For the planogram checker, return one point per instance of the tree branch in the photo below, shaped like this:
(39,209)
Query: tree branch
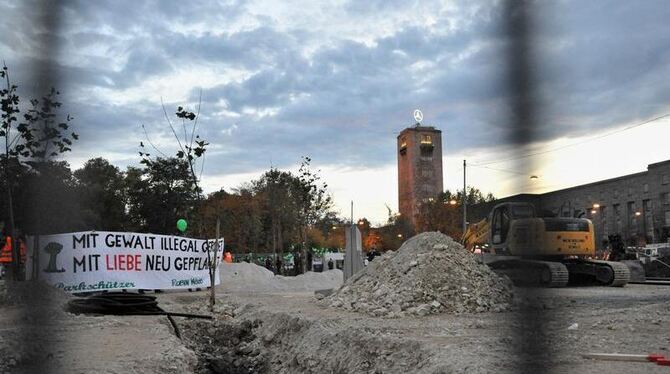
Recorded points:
(152,144)
(171,127)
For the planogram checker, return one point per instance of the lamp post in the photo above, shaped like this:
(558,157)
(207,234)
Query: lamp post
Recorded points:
(465,210)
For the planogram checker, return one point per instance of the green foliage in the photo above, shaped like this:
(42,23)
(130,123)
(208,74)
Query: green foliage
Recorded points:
(440,215)
(42,133)
(191,147)
(159,194)
(41,185)
(102,195)
(49,200)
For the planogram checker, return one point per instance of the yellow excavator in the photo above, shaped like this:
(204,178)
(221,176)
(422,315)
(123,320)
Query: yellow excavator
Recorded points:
(541,251)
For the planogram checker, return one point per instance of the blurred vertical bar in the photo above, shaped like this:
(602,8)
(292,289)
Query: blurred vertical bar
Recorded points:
(39,339)
(529,323)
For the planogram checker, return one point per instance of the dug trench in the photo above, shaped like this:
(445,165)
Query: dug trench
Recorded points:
(261,341)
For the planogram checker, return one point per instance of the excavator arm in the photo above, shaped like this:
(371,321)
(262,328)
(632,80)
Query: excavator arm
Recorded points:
(476,234)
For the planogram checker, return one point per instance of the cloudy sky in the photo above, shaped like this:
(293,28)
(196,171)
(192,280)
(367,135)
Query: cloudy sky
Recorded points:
(337,80)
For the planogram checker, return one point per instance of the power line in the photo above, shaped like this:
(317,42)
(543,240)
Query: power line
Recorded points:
(573,144)
(502,170)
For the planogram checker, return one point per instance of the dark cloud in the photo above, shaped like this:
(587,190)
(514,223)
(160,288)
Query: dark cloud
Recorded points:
(343,101)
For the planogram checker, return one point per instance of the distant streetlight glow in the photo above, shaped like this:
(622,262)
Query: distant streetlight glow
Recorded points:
(593,211)
(638,214)
(400,236)
(453,202)
(596,206)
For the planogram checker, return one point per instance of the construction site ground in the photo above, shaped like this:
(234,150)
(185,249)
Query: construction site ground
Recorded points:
(291,332)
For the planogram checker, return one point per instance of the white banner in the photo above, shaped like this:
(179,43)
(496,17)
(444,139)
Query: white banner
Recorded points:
(100,260)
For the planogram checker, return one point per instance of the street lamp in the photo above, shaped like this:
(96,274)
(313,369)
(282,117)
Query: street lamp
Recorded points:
(637,214)
(400,236)
(453,202)
(596,206)
(593,211)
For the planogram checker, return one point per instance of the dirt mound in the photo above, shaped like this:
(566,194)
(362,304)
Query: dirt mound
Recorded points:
(430,273)
(253,278)
(275,342)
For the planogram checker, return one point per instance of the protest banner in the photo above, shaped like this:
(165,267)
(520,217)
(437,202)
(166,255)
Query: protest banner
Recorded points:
(100,260)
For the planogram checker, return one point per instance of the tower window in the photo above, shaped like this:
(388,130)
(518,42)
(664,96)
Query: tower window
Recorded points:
(427,152)
(403,146)
(426,139)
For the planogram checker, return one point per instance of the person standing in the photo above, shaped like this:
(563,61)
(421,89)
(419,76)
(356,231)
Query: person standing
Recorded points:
(279,265)
(5,251)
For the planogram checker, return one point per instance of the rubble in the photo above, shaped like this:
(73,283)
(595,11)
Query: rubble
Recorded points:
(429,274)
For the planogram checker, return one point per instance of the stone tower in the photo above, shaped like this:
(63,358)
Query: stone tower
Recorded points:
(419,168)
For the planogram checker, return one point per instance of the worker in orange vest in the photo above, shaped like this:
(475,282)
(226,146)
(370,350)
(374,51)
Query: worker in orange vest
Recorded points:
(6,251)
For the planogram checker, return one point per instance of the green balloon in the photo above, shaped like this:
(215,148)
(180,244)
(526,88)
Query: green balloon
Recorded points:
(181,225)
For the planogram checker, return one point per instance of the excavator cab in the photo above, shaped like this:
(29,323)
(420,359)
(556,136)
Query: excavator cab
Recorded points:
(502,218)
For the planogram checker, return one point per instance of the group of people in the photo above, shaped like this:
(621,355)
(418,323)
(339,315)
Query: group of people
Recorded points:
(277,269)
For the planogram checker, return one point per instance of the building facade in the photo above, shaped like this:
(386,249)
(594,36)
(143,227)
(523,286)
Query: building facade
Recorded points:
(635,206)
(419,168)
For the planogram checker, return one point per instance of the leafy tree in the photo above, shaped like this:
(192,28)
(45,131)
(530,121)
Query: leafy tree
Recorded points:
(313,200)
(135,186)
(32,141)
(191,147)
(394,233)
(54,188)
(278,201)
(443,216)
(161,192)
(373,240)
(102,195)
(240,216)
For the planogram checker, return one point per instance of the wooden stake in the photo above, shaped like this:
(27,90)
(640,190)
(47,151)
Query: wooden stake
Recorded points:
(212,268)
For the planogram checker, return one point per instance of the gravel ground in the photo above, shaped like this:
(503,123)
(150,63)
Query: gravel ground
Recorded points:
(38,336)
(289,332)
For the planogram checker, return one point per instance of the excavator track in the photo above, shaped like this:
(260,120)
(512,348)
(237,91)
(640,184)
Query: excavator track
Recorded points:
(531,273)
(606,273)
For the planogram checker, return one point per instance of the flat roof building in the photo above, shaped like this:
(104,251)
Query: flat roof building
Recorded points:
(635,206)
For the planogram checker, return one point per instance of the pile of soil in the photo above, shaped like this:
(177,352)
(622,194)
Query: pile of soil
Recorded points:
(248,277)
(429,274)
